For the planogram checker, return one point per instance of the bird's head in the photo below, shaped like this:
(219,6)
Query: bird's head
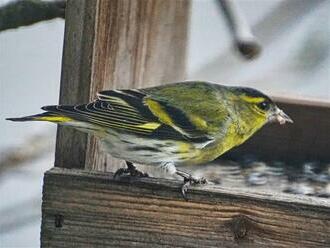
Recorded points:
(260,105)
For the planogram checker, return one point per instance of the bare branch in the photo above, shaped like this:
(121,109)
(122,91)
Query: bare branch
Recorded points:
(244,40)
(27,12)
(33,148)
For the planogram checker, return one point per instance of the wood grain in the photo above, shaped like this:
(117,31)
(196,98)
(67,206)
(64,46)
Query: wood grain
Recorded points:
(90,209)
(307,139)
(116,44)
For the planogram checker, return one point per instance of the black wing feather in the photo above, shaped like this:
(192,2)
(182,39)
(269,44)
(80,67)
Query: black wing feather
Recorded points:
(125,110)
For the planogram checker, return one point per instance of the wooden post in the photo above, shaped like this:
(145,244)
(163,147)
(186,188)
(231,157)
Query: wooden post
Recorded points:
(116,44)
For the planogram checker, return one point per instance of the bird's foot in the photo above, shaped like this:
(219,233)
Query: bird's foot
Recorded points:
(191,181)
(188,181)
(130,170)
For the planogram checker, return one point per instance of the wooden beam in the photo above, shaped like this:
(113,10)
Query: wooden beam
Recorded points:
(116,44)
(308,138)
(92,209)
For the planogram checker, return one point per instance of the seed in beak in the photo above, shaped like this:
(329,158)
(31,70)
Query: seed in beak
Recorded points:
(282,117)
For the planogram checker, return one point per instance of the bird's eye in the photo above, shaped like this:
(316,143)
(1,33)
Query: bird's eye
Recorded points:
(264,105)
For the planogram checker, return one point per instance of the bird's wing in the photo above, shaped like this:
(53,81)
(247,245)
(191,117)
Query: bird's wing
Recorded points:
(196,109)
(174,117)
(172,121)
(137,112)
(120,110)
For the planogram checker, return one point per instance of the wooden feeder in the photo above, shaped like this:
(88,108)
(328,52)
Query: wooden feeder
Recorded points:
(118,43)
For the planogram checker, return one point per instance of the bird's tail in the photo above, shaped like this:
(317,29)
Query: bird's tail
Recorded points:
(46,116)
(55,115)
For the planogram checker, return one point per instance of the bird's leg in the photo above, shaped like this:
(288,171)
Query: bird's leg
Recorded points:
(189,180)
(130,170)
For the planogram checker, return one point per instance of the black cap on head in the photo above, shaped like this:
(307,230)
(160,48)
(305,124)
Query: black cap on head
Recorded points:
(251,92)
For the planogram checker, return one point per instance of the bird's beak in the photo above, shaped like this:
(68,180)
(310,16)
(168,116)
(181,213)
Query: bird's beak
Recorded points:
(280,117)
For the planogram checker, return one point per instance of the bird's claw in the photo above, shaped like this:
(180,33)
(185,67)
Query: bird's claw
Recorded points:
(133,172)
(120,172)
(191,181)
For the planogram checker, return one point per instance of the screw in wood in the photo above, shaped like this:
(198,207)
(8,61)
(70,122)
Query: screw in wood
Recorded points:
(59,220)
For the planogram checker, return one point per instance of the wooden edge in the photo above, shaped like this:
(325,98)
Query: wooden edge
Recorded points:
(91,209)
(210,193)
(303,101)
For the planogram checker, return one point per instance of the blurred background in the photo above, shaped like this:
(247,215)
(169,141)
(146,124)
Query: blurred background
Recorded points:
(294,62)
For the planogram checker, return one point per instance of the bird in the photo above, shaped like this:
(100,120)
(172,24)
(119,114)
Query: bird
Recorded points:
(177,124)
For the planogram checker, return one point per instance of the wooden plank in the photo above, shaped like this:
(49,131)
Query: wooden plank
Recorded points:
(308,138)
(91,209)
(116,44)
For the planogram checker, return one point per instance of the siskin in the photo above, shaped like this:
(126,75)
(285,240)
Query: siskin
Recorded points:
(177,124)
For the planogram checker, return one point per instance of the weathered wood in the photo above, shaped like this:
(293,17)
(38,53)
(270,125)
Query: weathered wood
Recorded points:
(308,138)
(90,209)
(116,44)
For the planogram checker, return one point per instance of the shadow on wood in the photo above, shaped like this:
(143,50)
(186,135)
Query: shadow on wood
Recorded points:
(83,208)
